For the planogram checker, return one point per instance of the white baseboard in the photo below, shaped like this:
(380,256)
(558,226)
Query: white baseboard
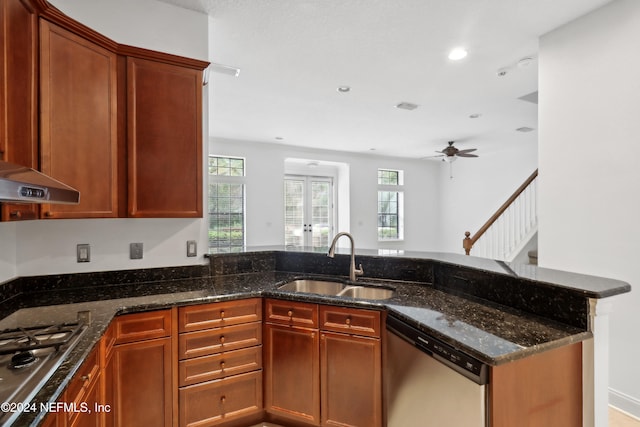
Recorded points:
(625,403)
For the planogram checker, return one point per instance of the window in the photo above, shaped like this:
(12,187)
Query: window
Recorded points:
(226,204)
(390,205)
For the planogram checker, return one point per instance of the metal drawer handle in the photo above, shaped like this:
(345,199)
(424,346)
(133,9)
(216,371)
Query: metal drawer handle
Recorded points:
(221,314)
(290,314)
(222,365)
(222,339)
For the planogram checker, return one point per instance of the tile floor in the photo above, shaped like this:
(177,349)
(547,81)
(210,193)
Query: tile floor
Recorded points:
(620,419)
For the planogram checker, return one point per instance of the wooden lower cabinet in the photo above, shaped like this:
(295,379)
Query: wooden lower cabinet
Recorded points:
(351,380)
(220,364)
(327,375)
(139,386)
(292,373)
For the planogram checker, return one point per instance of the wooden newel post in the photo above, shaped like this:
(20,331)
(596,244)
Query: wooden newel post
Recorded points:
(467,243)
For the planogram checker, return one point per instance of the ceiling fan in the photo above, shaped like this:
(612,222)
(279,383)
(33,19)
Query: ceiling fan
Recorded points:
(450,153)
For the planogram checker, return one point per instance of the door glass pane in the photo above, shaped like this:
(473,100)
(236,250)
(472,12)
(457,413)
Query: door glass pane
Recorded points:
(294,212)
(320,213)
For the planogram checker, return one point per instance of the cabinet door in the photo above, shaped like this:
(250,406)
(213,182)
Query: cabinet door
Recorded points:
(351,380)
(78,121)
(18,99)
(139,384)
(164,124)
(292,373)
(84,389)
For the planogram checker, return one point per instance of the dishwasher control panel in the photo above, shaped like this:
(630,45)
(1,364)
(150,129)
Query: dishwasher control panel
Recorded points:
(452,357)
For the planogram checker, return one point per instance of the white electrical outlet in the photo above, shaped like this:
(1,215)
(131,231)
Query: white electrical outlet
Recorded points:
(192,248)
(83,252)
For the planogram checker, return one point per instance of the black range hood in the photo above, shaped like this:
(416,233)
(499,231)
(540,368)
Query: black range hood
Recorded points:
(21,184)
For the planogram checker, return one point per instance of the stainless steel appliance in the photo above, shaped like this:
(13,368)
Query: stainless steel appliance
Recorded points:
(28,357)
(429,383)
(25,185)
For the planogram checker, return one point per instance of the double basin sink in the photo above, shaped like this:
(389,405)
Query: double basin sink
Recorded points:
(340,289)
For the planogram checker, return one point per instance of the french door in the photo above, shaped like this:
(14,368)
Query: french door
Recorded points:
(308,211)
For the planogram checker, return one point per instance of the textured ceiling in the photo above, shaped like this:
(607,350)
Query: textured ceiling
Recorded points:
(293,54)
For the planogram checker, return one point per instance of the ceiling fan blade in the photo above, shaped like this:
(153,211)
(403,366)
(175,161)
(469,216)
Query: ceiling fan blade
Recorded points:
(432,157)
(468,150)
(466,155)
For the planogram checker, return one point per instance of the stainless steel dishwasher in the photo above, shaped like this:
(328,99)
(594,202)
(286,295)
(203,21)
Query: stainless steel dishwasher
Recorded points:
(429,383)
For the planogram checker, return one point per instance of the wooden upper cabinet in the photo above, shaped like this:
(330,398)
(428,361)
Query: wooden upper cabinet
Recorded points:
(18,98)
(164,139)
(78,121)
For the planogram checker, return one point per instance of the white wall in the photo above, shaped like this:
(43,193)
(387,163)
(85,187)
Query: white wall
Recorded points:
(49,246)
(265,165)
(7,251)
(589,182)
(481,185)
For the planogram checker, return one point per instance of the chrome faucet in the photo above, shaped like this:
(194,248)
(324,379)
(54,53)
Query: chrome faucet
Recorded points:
(353,272)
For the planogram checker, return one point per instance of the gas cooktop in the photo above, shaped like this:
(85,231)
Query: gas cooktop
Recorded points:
(28,357)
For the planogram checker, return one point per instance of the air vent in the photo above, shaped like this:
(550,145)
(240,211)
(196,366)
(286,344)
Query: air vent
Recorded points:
(525,129)
(406,106)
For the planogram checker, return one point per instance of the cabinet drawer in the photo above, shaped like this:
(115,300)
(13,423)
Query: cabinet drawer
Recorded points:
(216,366)
(291,313)
(210,341)
(219,401)
(215,315)
(350,321)
(142,326)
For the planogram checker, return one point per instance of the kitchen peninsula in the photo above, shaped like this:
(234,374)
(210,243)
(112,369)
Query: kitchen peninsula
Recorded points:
(497,313)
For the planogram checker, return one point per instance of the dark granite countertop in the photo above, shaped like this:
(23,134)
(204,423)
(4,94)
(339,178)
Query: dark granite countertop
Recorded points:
(487,329)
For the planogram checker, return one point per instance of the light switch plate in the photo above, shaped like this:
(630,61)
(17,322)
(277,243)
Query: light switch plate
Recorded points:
(83,252)
(192,248)
(135,251)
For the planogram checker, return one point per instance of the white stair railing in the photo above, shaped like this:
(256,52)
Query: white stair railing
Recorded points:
(506,233)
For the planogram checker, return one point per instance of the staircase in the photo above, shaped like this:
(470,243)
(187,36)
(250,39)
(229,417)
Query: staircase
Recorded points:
(509,230)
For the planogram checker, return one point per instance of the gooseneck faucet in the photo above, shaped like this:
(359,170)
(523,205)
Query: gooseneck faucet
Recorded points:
(353,272)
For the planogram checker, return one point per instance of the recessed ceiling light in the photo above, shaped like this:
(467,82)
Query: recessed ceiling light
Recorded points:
(458,53)
(279,138)
(344,89)
(475,115)
(406,106)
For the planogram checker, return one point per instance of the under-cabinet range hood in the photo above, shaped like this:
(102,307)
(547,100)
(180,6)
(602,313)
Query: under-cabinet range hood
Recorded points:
(25,185)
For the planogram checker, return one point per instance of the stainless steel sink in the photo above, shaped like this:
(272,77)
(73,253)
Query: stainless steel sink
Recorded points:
(366,292)
(312,286)
(327,287)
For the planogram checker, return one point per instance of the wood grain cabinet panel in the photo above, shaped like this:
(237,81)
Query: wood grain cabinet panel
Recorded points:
(221,401)
(215,315)
(141,392)
(541,390)
(350,321)
(351,391)
(78,122)
(292,373)
(201,343)
(18,98)
(164,123)
(84,389)
(138,354)
(220,366)
(291,313)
